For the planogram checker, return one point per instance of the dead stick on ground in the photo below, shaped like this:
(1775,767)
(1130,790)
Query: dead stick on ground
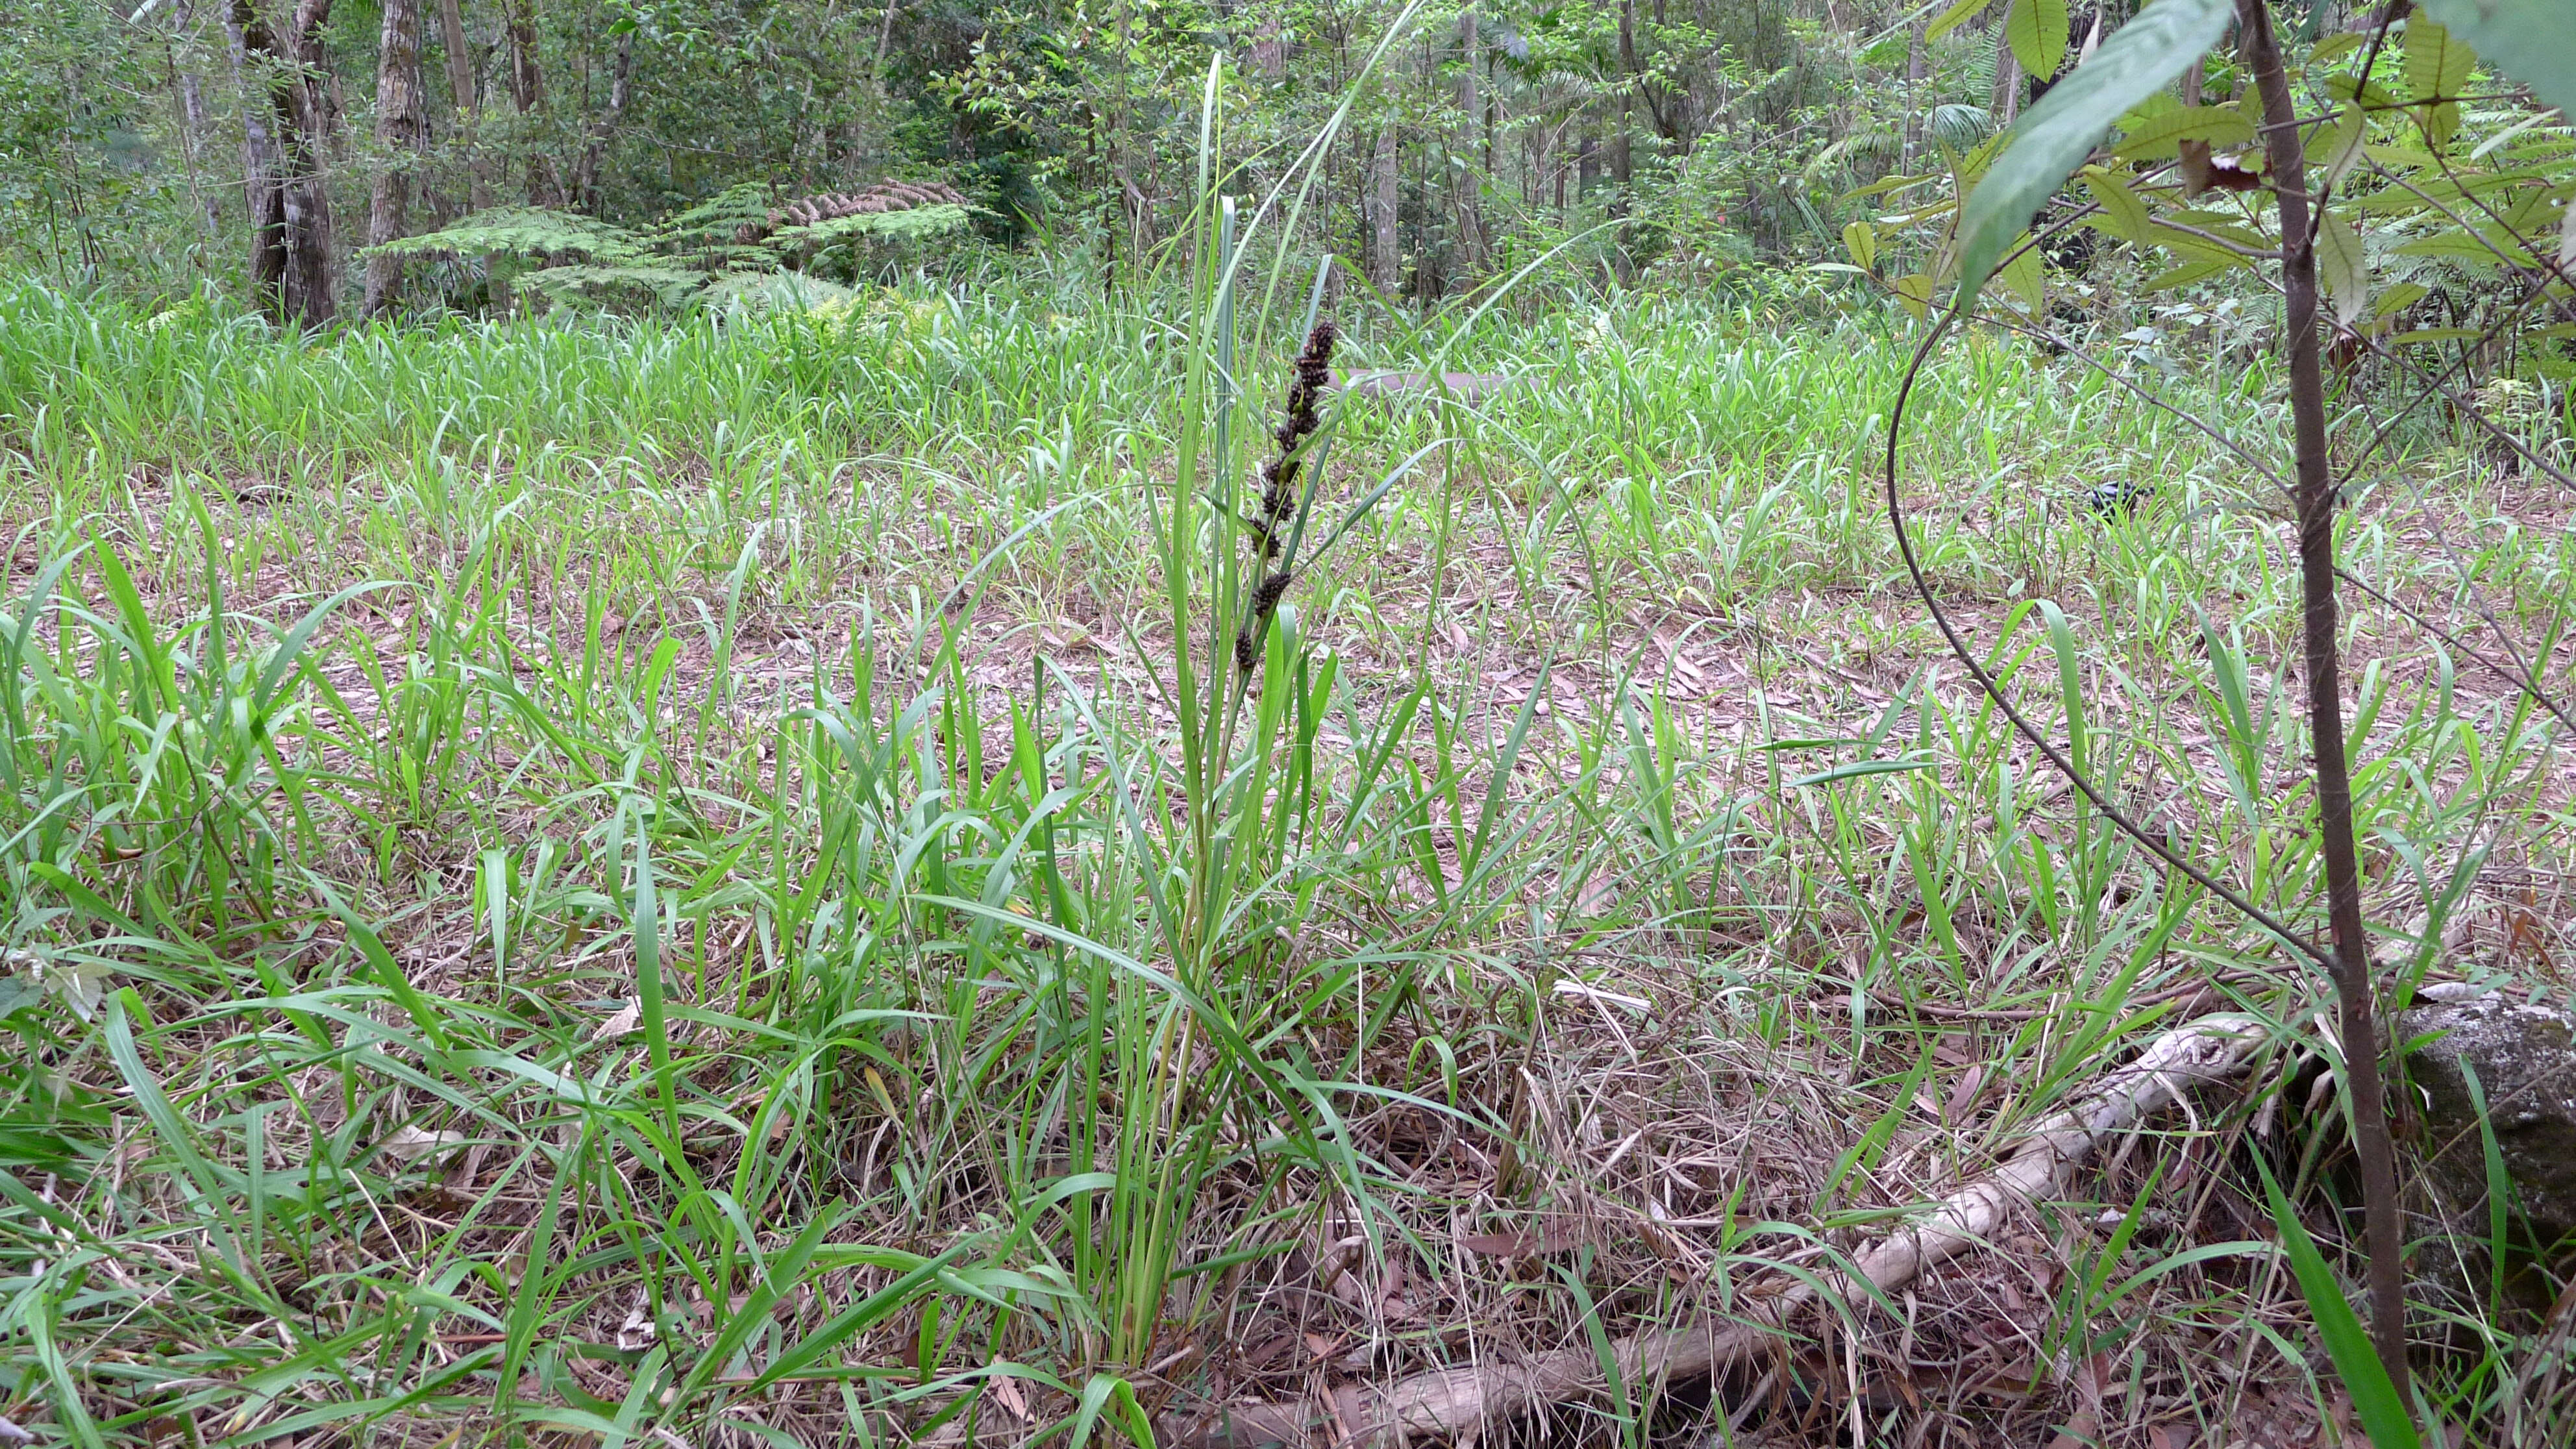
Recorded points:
(1459,1403)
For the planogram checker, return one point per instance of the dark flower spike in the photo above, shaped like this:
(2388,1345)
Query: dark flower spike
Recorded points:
(1279,484)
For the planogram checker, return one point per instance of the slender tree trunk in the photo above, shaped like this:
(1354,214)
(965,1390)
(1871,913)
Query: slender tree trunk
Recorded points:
(885,34)
(260,201)
(2382,1228)
(1385,249)
(469,103)
(1470,218)
(1622,164)
(292,266)
(1493,115)
(585,188)
(193,126)
(2004,104)
(528,95)
(1916,63)
(401,128)
(1270,46)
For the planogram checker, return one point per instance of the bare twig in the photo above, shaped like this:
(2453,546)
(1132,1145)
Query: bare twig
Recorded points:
(2519,676)
(1460,1403)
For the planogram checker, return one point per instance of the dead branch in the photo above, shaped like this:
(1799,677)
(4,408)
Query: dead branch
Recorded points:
(1458,1404)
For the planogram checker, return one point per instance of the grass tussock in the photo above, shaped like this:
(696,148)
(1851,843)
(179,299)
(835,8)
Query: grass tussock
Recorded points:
(808,879)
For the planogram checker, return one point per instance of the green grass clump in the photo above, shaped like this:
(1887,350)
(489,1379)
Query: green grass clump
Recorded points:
(723,875)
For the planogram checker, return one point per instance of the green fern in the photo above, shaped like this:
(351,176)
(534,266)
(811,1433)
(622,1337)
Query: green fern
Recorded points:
(738,215)
(729,250)
(774,291)
(914,224)
(527,235)
(644,285)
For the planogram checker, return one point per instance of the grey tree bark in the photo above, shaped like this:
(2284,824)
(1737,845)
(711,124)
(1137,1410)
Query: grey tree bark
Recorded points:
(2004,103)
(1469,183)
(469,105)
(585,176)
(293,271)
(193,126)
(528,95)
(1385,250)
(1916,63)
(401,128)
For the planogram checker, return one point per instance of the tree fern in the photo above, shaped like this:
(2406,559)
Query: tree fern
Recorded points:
(733,249)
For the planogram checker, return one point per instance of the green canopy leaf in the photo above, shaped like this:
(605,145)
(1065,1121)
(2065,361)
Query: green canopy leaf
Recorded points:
(2437,62)
(2055,136)
(2534,41)
(2341,267)
(2036,31)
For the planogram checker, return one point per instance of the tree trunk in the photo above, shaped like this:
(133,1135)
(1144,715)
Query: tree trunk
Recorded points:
(2383,1230)
(1270,46)
(2004,102)
(1470,218)
(1916,62)
(400,130)
(528,94)
(469,104)
(1622,167)
(259,166)
(1385,251)
(192,113)
(292,268)
(585,184)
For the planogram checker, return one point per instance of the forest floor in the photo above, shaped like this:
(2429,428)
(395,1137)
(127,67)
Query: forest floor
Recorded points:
(700,881)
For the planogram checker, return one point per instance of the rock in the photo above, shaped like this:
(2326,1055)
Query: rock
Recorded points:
(2525,1059)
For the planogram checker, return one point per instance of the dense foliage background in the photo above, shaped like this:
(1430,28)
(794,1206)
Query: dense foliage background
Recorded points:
(1717,130)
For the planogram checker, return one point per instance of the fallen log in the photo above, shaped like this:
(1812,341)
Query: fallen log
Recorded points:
(1461,1403)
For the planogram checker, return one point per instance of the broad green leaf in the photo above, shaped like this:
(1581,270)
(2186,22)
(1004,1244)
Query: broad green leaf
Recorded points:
(2341,268)
(2398,298)
(2335,45)
(2438,63)
(2125,215)
(1952,18)
(2055,136)
(2567,236)
(2036,31)
(2457,245)
(2193,248)
(2334,149)
(1915,293)
(1862,240)
(2374,1397)
(2161,135)
(2374,95)
(2021,276)
(2526,39)
(2441,123)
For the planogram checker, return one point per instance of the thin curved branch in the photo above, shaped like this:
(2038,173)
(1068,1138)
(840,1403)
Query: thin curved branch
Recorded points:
(2520,678)
(1995,691)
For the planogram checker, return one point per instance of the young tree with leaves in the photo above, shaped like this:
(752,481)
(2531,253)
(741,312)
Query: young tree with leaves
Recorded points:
(2312,256)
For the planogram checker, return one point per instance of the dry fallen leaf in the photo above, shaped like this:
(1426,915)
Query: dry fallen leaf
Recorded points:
(411,1144)
(619,1023)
